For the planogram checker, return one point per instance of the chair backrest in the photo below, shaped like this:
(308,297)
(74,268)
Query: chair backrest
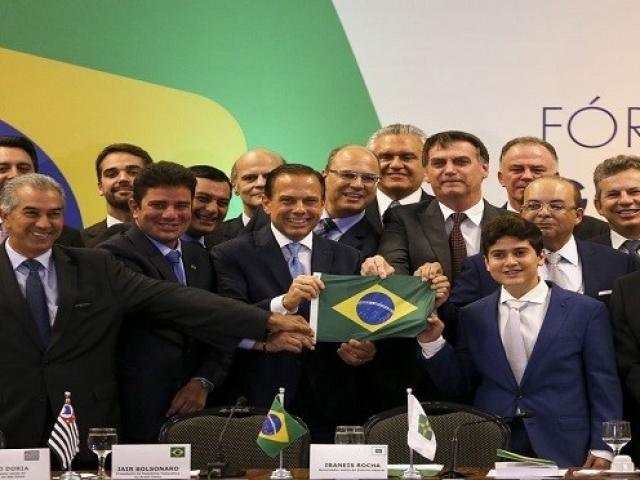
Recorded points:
(477,443)
(241,451)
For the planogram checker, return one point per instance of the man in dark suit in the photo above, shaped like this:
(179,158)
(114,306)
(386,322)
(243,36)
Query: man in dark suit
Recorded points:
(552,203)
(399,151)
(248,176)
(533,348)
(617,182)
(162,372)
(522,160)
(350,176)
(273,268)
(17,157)
(116,167)
(210,204)
(60,314)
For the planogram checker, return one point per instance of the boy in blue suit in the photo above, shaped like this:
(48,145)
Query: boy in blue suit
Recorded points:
(532,348)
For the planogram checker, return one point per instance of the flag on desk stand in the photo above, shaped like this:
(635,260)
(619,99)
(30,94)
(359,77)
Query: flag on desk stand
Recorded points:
(64,438)
(279,429)
(420,436)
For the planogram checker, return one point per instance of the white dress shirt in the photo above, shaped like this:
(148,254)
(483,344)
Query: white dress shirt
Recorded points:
(385,200)
(570,266)
(470,227)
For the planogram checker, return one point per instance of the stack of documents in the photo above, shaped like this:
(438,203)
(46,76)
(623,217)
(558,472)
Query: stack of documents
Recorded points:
(524,467)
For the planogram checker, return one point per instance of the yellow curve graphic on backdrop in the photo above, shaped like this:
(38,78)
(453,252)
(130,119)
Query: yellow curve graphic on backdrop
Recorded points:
(72,112)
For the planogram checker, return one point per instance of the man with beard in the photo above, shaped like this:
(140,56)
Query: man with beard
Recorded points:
(116,167)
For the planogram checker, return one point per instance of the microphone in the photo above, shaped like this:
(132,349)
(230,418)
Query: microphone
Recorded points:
(218,467)
(452,473)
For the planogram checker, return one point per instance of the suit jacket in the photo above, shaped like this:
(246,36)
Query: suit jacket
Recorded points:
(372,212)
(601,266)
(95,292)
(70,237)
(415,234)
(363,237)
(234,227)
(570,385)
(253,269)
(93,235)
(155,362)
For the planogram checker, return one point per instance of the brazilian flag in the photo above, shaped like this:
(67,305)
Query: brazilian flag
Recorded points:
(279,429)
(370,308)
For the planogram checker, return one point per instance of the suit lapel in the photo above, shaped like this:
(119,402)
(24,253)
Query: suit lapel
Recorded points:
(589,268)
(491,320)
(67,278)
(431,221)
(321,256)
(268,249)
(143,244)
(13,299)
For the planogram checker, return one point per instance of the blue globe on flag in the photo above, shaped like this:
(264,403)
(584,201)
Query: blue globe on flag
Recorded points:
(271,425)
(375,308)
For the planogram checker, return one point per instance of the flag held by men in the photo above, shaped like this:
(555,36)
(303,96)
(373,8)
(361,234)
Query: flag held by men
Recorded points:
(64,439)
(370,308)
(420,436)
(279,429)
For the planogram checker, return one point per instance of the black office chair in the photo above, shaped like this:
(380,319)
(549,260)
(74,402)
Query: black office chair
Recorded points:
(202,430)
(477,443)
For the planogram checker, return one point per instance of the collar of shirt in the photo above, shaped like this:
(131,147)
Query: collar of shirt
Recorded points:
(163,248)
(537,294)
(282,240)
(245,219)
(569,251)
(111,221)
(17,258)
(511,209)
(617,240)
(474,213)
(384,200)
(191,239)
(345,223)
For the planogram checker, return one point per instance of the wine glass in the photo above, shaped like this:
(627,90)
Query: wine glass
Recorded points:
(100,441)
(349,434)
(616,434)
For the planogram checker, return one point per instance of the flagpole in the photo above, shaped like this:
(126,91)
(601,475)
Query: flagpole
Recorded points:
(410,473)
(69,474)
(281,473)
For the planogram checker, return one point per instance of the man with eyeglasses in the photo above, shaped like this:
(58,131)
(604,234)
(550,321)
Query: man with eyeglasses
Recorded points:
(552,203)
(351,176)
(399,151)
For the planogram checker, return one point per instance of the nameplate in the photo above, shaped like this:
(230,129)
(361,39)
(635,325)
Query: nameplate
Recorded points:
(167,461)
(25,464)
(348,461)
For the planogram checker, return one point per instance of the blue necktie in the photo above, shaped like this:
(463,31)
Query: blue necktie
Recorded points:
(173,257)
(37,300)
(295,267)
(325,227)
(631,246)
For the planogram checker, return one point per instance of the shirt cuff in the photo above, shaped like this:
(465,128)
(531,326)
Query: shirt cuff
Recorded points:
(208,386)
(276,306)
(429,349)
(606,454)
(246,344)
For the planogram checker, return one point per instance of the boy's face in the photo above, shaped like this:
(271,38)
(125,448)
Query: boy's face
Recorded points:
(514,263)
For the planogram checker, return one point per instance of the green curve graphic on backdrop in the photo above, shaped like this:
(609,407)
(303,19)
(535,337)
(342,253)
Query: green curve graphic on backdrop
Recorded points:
(284,69)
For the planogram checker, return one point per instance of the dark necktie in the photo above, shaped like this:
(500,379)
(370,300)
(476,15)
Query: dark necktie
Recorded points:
(37,300)
(173,257)
(295,267)
(325,227)
(456,243)
(631,246)
(394,204)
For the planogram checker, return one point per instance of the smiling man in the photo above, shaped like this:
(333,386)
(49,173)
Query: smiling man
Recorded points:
(522,346)
(116,167)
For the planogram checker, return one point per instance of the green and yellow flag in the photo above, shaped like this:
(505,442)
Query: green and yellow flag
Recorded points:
(370,308)
(278,430)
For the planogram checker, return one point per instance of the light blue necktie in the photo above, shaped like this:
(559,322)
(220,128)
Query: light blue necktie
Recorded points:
(295,267)
(37,300)
(173,257)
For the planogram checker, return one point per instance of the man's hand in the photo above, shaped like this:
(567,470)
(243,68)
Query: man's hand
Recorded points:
(433,333)
(376,266)
(429,270)
(288,323)
(596,463)
(302,289)
(287,341)
(440,284)
(356,353)
(190,398)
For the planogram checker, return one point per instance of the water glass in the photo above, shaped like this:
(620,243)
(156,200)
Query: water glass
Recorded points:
(100,441)
(616,434)
(349,434)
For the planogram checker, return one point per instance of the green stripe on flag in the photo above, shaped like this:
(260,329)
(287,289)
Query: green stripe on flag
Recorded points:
(279,429)
(371,308)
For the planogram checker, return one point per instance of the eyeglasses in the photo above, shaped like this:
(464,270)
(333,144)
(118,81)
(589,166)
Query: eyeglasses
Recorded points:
(551,206)
(349,176)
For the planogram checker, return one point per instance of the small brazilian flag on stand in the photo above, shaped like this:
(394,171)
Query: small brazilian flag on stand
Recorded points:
(278,430)
(370,308)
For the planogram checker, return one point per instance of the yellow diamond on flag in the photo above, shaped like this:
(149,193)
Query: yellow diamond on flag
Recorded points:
(374,308)
(274,427)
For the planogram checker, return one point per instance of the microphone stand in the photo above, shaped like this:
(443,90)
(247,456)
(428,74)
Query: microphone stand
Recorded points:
(219,467)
